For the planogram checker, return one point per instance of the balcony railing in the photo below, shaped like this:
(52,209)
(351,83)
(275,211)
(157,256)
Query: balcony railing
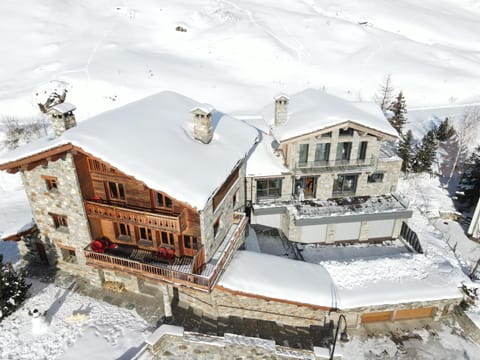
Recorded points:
(136,217)
(335,164)
(204,281)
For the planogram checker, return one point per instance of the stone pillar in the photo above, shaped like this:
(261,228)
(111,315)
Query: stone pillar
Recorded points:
(330,233)
(281,110)
(167,306)
(202,124)
(363,231)
(397,228)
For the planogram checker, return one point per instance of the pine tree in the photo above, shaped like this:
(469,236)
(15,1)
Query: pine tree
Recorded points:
(425,153)
(384,95)
(469,185)
(13,290)
(445,131)
(405,150)
(399,110)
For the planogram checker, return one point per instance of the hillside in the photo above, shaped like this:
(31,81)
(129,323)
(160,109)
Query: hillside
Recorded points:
(237,54)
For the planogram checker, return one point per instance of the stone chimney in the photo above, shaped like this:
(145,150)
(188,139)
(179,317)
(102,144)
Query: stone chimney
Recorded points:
(281,110)
(62,117)
(202,124)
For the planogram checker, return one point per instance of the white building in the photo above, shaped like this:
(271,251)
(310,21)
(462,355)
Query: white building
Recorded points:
(324,170)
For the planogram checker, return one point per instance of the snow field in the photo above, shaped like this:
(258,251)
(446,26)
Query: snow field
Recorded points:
(110,331)
(238,54)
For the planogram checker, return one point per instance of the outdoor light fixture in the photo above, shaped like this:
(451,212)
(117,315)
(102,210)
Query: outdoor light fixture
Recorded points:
(343,334)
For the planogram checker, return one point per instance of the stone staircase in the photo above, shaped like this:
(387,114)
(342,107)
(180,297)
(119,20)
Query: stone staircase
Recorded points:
(194,320)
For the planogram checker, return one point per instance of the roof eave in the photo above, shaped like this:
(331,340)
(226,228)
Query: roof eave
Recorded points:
(15,164)
(374,131)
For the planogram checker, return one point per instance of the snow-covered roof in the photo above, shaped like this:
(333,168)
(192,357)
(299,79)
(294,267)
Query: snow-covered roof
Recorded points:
(262,161)
(151,139)
(344,285)
(63,108)
(312,110)
(278,278)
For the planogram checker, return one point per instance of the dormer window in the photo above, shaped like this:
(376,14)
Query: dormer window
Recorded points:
(116,191)
(164,201)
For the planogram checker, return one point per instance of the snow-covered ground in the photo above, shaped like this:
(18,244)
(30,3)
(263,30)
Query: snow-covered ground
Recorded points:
(76,327)
(237,54)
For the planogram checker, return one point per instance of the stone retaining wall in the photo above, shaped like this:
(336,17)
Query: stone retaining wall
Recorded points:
(223,303)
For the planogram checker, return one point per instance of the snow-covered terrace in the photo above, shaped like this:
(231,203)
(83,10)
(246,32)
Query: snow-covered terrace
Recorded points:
(349,206)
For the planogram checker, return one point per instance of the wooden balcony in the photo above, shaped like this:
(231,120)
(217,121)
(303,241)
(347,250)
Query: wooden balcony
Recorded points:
(171,273)
(137,217)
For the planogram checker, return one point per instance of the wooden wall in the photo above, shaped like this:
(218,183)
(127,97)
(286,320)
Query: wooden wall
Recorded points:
(94,175)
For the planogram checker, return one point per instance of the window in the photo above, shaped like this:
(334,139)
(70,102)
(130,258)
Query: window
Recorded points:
(345,132)
(375,178)
(322,152)
(167,238)
(51,183)
(343,151)
(163,201)
(145,234)
(60,222)
(362,150)
(68,254)
(116,191)
(215,227)
(345,185)
(303,154)
(269,188)
(327,135)
(190,242)
(124,232)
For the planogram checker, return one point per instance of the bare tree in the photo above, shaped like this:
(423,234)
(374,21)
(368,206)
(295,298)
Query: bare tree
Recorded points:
(466,128)
(384,96)
(17,133)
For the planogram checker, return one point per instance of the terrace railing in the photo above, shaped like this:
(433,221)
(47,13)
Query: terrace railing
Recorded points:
(411,237)
(136,217)
(310,166)
(204,281)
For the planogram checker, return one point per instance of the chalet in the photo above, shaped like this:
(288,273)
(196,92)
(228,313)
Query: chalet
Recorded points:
(153,195)
(331,175)
(149,192)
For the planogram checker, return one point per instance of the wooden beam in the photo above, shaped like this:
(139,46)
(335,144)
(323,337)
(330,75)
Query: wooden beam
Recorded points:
(43,155)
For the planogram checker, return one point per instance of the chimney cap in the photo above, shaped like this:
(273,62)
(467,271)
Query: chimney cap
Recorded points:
(203,109)
(281,97)
(63,108)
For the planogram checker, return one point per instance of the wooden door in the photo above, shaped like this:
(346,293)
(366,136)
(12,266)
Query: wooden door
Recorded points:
(377,316)
(418,313)
(42,253)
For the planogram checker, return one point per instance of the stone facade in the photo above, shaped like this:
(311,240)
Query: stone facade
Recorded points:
(234,200)
(325,176)
(223,303)
(63,242)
